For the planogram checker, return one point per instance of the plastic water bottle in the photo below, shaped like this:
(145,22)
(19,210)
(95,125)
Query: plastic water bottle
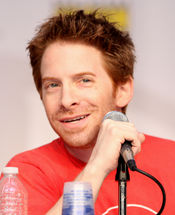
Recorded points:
(13,195)
(77,199)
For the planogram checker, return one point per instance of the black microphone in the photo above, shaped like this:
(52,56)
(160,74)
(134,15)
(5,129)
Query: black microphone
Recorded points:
(126,150)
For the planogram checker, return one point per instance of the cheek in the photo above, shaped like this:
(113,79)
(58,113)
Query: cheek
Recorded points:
(50,104)
(106,95)
(89,95)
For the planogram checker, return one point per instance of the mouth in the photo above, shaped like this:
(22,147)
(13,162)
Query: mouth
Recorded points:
(75,119)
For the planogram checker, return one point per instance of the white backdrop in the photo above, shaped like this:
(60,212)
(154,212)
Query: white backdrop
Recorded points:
(23,124)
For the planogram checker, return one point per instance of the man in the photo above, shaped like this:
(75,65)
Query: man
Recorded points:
(83,68)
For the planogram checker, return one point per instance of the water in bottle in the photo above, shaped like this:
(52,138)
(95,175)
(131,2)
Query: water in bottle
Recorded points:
(13,195)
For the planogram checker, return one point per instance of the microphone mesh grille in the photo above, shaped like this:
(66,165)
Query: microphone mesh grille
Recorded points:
(116,116)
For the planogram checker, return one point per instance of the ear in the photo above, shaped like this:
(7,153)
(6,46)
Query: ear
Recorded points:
(124,93)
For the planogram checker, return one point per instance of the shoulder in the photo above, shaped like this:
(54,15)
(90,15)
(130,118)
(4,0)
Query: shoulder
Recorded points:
(38,171)
(156,153)
(156,140)
(39,164)
(159,144)
(39,154)
(157,158)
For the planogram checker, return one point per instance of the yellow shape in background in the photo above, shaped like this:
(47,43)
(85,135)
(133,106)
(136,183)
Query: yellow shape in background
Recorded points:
(118,14)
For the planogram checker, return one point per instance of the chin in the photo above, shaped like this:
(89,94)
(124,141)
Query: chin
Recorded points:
(85,139)
(79,143)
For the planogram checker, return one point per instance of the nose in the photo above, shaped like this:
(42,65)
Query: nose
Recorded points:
(69,97)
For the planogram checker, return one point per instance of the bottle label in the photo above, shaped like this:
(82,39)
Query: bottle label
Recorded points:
(12,202)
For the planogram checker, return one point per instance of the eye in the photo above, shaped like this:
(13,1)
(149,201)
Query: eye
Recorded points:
(85,80)
(53,85)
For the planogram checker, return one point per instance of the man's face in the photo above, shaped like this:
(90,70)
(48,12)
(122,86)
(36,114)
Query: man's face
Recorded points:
(76,91)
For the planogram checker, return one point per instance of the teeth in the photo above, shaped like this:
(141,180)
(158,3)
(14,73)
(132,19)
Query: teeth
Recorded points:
(76,119)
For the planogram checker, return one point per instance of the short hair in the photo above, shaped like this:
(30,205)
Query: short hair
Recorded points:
(92,29)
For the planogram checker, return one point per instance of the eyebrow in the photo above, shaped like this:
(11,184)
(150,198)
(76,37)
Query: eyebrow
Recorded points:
(74,76)
(49,79)
(84,73)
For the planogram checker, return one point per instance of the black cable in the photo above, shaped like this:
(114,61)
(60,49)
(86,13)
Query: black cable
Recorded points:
(158,183)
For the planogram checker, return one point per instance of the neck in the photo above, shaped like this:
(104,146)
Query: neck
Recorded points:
(82,154)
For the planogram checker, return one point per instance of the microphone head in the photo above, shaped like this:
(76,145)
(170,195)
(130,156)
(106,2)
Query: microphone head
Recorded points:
(116,116)
(126,150)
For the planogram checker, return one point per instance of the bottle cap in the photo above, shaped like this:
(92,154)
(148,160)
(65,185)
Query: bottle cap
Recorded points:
(10,170)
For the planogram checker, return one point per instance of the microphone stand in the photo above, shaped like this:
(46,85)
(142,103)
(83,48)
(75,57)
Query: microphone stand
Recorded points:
(122,176)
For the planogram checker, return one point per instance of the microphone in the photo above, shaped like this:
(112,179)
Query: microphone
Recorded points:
(126,150)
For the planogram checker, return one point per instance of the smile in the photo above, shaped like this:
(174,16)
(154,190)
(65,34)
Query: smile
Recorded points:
(74,119)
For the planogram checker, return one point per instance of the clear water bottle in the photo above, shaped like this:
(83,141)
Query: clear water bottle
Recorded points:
(13,195)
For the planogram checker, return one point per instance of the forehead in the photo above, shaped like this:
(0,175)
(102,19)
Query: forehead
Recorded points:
(72,57)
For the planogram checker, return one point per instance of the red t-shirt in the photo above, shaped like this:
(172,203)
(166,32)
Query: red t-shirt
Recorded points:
(44,170)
